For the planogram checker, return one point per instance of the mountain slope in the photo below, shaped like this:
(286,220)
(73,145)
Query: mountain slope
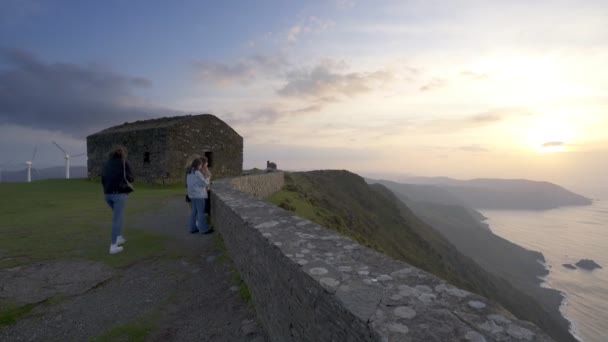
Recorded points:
(375,217)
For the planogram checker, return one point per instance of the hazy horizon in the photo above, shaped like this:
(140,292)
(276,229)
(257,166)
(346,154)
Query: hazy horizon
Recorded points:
(465,89)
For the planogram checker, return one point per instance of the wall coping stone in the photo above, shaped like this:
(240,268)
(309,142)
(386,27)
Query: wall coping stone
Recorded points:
(386,299)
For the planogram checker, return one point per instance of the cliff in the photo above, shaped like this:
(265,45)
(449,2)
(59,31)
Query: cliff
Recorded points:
(311,284)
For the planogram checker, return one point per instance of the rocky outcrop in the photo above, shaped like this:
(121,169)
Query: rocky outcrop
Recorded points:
(588,264)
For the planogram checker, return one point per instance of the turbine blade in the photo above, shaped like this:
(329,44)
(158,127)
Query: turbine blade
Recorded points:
(34,154)
(78,155)
(59,147)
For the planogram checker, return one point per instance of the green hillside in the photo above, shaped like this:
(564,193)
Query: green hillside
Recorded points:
(371,214)
(58,218)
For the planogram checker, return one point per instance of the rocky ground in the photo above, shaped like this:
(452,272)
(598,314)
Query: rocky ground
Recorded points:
(193,297)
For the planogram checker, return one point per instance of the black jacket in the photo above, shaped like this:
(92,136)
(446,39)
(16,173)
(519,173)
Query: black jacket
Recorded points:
(112,176)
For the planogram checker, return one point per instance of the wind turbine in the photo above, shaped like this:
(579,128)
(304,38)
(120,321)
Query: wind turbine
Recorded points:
(67,159)
(29,165)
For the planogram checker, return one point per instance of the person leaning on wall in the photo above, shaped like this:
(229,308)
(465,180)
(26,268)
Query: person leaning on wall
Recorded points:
(187,168)
(197,191)
(116,178)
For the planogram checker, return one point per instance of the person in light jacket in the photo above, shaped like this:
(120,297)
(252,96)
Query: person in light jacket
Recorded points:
(197,191)
(115,174)
(187,168)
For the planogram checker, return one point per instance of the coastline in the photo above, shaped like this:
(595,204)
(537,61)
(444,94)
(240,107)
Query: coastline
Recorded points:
(573,327)
(565,235)
(554,301)
(550,299)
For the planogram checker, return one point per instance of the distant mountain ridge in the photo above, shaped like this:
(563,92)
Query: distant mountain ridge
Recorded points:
(505,194)
(47,173)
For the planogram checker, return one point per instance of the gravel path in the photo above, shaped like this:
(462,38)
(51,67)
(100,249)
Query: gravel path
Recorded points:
(192,298)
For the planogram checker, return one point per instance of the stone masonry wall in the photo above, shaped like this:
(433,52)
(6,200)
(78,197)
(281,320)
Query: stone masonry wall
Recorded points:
(311,284)
(260,186)
(151,141)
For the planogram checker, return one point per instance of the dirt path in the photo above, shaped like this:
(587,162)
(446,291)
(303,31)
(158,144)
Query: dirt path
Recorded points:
(191,298)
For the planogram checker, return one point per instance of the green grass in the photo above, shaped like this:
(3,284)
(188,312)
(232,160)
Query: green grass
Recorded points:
(135,331)
(236,276)
(138,329)
(11,312)
(56,219)
(375,217)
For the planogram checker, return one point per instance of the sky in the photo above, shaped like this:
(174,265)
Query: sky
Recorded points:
(465,89)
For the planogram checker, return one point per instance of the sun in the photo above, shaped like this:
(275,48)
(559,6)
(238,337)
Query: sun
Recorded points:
(550,135)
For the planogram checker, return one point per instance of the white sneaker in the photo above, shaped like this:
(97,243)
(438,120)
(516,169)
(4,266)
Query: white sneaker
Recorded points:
(120,240)
(115,249)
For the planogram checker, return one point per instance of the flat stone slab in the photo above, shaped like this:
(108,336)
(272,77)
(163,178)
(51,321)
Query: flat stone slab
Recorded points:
(37,282)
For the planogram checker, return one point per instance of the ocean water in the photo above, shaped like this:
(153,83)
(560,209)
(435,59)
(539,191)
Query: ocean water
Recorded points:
(567,235)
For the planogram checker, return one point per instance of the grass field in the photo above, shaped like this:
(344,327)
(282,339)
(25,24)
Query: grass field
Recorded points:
(55,219)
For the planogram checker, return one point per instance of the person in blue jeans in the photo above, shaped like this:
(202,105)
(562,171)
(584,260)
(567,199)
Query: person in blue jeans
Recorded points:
(197,191)
(116,177)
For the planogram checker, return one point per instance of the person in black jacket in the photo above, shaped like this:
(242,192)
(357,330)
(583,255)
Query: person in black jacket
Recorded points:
(116,178)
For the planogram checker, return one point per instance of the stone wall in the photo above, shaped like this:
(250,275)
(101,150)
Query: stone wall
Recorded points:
(311,284)
(159,148)
(206,134)
(260,186)
(152,142)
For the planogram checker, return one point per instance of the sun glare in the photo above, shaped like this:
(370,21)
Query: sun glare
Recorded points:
(549,135)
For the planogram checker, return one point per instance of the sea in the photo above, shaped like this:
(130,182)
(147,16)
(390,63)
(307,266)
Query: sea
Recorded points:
(565,236)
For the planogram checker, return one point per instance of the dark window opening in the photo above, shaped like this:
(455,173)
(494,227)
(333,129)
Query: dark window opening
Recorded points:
(209,156)
(147,158)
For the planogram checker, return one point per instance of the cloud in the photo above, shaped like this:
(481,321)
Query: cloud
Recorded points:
(496,115)
(473,148)
(554,144)
(293,33)
(474,75)
(328,80)
(243,72)
(225,74)
(344,4)
(309,109)
(311,24)
(487,117)
(434,84)
(266,115)
(68,97)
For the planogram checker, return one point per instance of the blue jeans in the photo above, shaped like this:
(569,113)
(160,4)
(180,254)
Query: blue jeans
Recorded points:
(117,203)
(197,215)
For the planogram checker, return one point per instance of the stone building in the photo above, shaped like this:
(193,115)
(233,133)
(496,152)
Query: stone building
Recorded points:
(158,148)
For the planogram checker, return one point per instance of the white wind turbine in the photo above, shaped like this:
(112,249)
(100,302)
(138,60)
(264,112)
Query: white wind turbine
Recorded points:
(67,159)
(29,165)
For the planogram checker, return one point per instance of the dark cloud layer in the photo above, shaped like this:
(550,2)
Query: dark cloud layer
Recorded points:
(67,97)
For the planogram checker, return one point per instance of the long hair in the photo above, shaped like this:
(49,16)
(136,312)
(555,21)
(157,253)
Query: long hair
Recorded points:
(205,171)
(189,161)
(118,152)
(195,164)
